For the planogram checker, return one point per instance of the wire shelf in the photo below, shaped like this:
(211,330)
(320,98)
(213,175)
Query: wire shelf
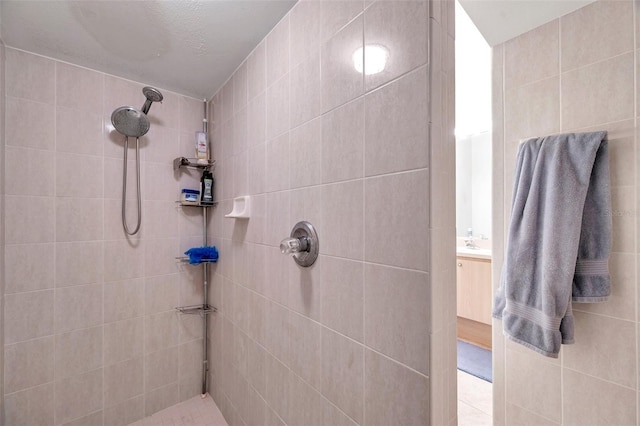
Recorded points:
(185,259)
(192,163)
(197,309)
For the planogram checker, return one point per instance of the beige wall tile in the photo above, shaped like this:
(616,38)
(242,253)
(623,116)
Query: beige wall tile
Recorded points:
(396,126)
(305,30)
(305,341)
(79,88)
(401,27)
(240,131)
(532,110)
(396,315)
(278,107)
(123,381)
(93,419)
(342,212)
(277,51)
(340,80)
(29,172)
(305,152)
(78,395)
(78,307)
(540,46)
(306,403)
(123,299)
(125,413)
(534,384)
(343,296)
(29,124)
(256,71)
(161,368)
(595,32)
(29,76)
(29,219)
(343,142)
(28,364)
(278,164)
(623,202)
(257,120)
(28,267)
(343,373)
(335,15)
(587,400)
(240,88)
(161,331)
(79,263)
(278,391)
(393,393)
(305,90)
(123,340)
(78,352)
(30,407)
(79,219)
(594,332)
(161,398)
(399,200)
(161,293)
(518,416)
(28,315)
(598,93)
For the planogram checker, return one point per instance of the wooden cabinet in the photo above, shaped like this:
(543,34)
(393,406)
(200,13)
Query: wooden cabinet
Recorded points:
(474,289)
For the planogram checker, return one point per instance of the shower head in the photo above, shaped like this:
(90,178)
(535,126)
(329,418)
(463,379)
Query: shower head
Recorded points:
(130,121)
(153,95)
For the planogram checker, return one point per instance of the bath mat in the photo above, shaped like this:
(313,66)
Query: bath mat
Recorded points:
(474,360)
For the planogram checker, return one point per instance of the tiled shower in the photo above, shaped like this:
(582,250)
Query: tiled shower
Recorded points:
(364,336)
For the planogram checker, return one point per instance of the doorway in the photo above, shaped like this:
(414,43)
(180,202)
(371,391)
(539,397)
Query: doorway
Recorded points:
(473,222)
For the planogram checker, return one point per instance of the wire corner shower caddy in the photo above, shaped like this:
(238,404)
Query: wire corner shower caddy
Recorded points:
(205,308)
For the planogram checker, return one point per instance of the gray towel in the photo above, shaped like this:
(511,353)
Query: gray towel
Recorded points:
(559,238)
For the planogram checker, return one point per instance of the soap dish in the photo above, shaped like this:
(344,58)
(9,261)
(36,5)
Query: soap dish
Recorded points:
(241,208)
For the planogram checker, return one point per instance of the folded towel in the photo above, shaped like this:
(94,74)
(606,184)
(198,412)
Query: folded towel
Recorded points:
(559,239)
(200,254)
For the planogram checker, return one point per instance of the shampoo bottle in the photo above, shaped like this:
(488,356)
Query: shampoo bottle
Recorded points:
(206,188)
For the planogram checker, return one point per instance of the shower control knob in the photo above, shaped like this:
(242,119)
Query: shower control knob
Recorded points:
(302,244)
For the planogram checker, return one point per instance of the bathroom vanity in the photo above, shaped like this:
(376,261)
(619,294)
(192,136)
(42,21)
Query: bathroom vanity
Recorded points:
(474,296)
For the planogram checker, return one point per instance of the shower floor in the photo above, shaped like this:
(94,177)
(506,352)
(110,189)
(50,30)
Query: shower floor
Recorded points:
(192,412)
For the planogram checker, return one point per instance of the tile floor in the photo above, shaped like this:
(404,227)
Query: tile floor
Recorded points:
(192,412)
(475,402)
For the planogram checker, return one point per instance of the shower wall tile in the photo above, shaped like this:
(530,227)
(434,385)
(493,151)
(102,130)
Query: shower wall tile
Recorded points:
(79,176)
(335,15)
(395,299)
(30,407)
(79,88)
(305,30)
(277,51)
(278,107)
(343,296)
(257,120)
(29,172)
(122,260)
(162,219)
(340,80)
(397,199)
(29,219)
(79,395)
(125,413)
(305,88)
(90,419)
(161,398)
(401,27)
(393,393)
(305,340)
(343,142)
(161,331)
(79,219)
(240,131)
(343,373)
(29,124)
(123,381)
(598,93)
(28,267)
(239,88)
(305,154)
(589,400)
(532,110)
(123,299)
(542,46)
(395,135)
(79,263)
(161,368)
(343,208)
(306,403)
(28,364)
(28,315)
(78,352)
(256,71)
(78,307)
(610,33)
(79,131)
(123,340)
(29,76)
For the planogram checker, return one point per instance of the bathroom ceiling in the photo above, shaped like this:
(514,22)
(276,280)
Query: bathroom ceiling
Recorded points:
(190,47)
(502,20)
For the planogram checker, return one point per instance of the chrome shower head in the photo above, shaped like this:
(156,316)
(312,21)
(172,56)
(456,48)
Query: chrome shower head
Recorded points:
(130,121)
(153,95)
